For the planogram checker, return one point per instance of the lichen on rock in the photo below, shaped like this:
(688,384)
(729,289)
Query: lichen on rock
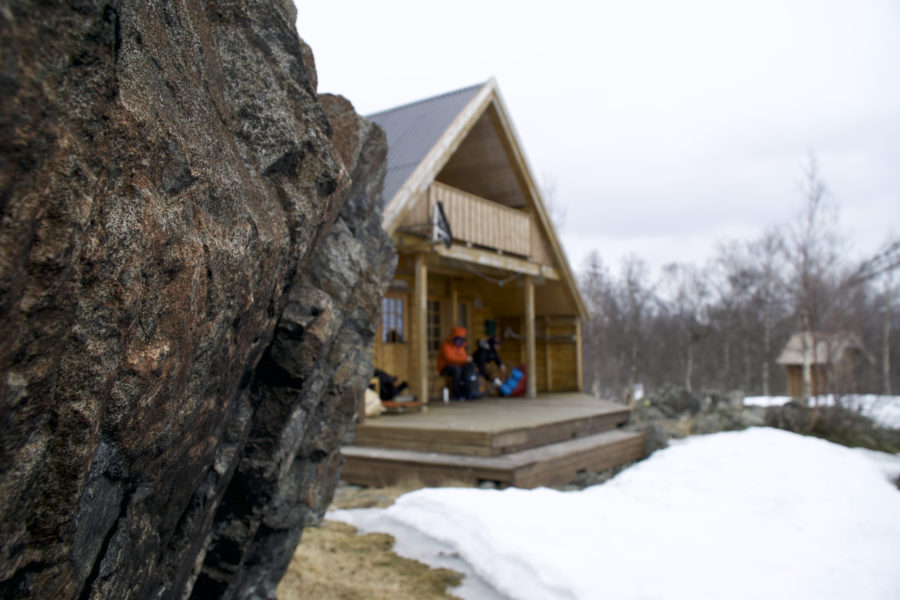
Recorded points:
(191,267)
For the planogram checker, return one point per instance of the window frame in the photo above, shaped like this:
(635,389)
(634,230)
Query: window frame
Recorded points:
(393,313)
(433,324)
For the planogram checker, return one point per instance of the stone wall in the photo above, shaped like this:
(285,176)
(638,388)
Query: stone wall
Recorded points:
(191,266)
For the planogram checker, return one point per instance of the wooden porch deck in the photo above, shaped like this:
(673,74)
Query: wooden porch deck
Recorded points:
(491,427)
(521,442)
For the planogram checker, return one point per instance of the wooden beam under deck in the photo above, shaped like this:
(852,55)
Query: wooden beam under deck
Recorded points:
(484,258)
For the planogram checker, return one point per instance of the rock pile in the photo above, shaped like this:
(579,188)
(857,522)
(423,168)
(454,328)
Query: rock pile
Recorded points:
(835,424)
(676,413)
(191,266)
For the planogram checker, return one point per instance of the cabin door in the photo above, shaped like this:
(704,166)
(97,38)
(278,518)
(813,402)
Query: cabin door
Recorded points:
(392,346)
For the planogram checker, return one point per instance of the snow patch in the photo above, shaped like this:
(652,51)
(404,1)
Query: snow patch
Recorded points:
(760,513)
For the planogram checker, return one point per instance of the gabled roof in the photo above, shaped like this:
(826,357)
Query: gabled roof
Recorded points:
(413,129)
(422,138)
(823,348)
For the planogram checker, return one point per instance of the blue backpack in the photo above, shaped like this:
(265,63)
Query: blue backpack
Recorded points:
(510,385)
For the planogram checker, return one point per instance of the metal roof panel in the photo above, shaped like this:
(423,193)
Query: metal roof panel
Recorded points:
(413,129)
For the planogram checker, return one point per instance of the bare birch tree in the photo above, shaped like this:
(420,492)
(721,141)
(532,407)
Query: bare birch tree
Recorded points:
(723,328)
(637,293)
(882,265)
(688,298)
(768,251)
(812,250)
(886,335)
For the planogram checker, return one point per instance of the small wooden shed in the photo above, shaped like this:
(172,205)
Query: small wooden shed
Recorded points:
(834,360)
(456,171)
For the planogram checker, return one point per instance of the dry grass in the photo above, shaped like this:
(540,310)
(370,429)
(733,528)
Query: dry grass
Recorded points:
(333,562)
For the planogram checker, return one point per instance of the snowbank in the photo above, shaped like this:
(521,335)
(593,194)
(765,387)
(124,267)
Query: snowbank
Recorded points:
(754,514)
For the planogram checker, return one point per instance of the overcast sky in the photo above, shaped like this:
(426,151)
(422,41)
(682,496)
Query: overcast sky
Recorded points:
(660,126)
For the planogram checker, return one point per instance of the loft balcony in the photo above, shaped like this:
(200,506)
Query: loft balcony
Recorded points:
(478,222)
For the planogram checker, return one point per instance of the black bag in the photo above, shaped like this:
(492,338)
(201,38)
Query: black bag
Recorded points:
(387,389)
(471,382)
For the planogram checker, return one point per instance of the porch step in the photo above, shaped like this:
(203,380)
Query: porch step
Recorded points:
(494,427)
(553,464)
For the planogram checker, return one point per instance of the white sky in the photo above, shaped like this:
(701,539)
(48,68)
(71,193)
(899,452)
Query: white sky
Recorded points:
(662,126)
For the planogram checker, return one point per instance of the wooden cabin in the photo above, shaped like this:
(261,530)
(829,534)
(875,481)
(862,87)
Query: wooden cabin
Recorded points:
(500,270)
(835,361)
(477,249)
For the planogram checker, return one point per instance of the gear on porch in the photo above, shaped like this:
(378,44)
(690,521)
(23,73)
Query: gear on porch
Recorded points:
(515,385)
(386,385)
(384,396)
(372,405)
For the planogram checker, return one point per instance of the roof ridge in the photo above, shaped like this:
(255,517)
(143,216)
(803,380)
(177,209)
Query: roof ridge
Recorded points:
(428,99)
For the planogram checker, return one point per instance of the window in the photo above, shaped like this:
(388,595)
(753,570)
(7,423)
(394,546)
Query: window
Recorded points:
(392,320)
(462,315)
(434,324)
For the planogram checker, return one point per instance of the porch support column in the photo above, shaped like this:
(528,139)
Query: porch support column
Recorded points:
(420,341)
(579,367)
(454,307)
(548,368)
(530,355)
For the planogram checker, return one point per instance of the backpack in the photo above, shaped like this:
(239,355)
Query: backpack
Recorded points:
(471,382)
(515,385)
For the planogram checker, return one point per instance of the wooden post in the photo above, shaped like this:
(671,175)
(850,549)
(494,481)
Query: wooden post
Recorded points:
(420,329)
(454,307)
(522,340)
(548,371)
(530,357)
(579,373)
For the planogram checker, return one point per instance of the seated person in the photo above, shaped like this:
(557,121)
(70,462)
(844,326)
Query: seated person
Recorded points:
(488,351)
(454,362)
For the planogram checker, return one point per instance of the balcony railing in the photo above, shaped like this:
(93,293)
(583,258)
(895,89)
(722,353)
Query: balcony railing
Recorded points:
(481,222)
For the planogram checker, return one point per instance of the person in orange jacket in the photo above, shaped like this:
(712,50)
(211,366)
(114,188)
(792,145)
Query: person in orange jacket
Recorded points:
(455,362)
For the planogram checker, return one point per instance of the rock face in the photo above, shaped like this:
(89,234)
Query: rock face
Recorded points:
(191,267)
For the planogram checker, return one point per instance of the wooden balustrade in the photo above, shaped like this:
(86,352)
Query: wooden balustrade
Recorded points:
(481,222)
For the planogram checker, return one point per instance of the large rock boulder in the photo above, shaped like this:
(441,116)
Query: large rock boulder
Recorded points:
(191,265)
